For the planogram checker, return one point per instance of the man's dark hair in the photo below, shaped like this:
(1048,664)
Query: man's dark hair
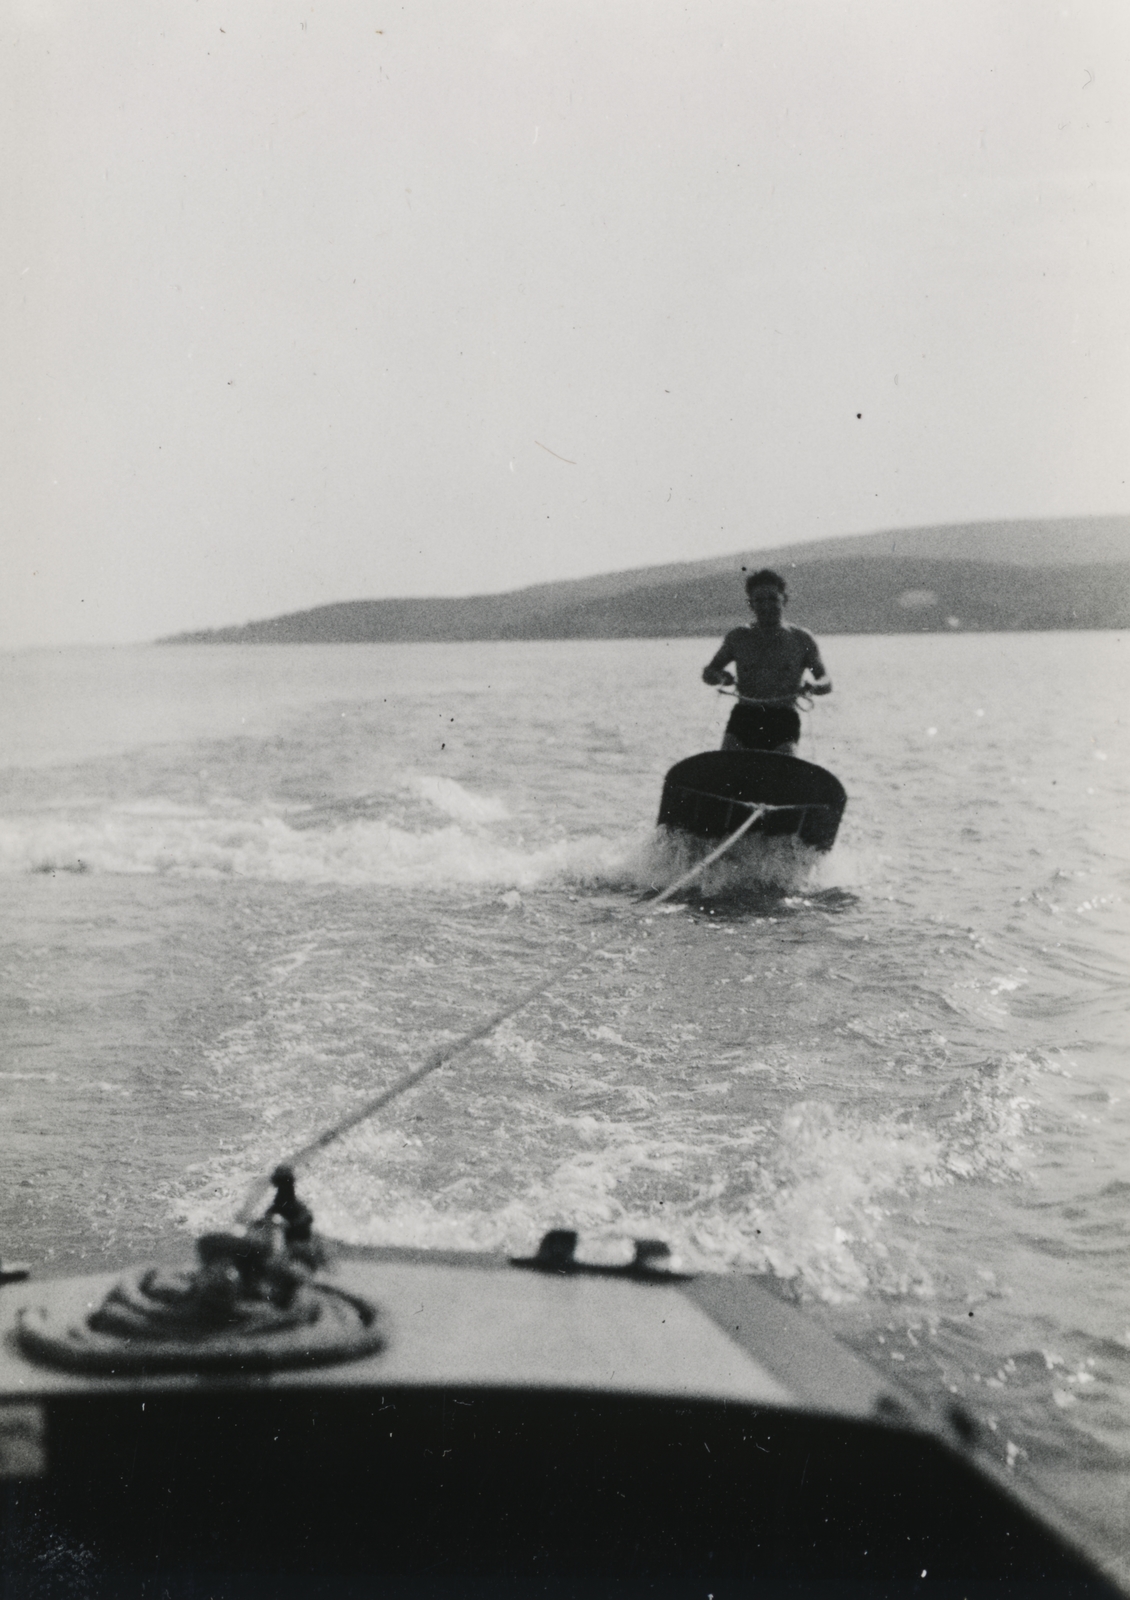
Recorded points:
(766,578)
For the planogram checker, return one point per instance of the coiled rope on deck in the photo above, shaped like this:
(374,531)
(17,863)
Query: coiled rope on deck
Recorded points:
(444,1053)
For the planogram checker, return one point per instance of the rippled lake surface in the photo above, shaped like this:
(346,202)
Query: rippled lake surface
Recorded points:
(249,887)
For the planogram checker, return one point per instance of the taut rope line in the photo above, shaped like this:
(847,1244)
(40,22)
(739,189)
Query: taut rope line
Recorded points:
(444,1053)
(755,815)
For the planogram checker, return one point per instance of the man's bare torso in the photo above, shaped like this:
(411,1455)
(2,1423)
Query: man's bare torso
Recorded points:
(770,665)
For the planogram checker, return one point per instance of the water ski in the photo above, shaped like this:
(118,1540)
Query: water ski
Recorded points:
(712,794)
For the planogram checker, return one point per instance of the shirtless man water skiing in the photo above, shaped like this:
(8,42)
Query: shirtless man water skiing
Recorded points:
(772,658)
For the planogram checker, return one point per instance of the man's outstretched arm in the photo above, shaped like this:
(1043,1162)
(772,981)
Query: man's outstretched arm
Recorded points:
(821,683)
(714,672)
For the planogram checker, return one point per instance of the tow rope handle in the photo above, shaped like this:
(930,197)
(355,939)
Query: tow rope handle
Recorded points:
(802,698)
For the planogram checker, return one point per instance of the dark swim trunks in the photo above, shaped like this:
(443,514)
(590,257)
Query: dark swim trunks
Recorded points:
(763,727)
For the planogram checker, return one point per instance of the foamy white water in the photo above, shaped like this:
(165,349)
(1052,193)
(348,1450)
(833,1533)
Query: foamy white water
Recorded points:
(252,886)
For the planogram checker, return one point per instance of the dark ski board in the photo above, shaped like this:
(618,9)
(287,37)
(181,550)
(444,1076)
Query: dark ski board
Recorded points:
(711,794)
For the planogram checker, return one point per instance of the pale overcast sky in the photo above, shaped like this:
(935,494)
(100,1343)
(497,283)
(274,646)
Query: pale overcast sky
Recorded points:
(310,303)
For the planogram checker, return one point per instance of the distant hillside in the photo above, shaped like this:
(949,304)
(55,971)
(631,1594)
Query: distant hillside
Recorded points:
(984,577)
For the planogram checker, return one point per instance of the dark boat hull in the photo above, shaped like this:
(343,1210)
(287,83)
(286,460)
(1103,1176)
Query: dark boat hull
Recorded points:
(521,1432)
(435,1492)
(710,795)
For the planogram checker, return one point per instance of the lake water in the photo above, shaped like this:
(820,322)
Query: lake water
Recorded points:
(248,887)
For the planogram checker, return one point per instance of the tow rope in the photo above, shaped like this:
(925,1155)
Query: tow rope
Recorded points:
(444,1053)
(257,1299)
